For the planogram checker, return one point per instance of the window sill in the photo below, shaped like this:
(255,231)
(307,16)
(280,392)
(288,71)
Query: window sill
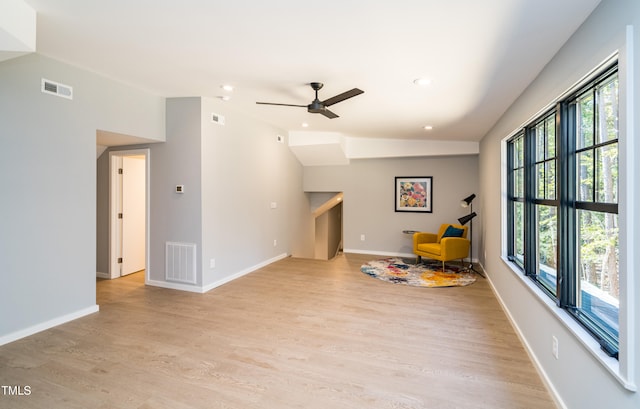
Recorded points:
(612,365)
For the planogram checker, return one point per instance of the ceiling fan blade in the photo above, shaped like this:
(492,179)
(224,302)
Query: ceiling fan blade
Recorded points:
(325,112)
(341,97)
(284,105)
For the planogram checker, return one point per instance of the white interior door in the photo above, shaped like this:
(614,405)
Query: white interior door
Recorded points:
(133,214)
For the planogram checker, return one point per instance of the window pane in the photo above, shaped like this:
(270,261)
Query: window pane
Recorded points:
(598,268)
(546,180)
(550,170)
(608,110)
(607,163)
(540,142)
(551,137)
(540,180)
(518,181)
(518,155)
(547,245)
(585,176)
(518,231)
(585,120)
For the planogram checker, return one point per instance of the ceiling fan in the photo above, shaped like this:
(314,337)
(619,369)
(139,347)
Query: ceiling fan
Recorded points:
(320,107)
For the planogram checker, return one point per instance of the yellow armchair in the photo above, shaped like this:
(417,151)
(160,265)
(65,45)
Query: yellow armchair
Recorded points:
(440,248)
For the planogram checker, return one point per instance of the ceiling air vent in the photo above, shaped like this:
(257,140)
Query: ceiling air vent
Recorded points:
(218,119)
(55,88)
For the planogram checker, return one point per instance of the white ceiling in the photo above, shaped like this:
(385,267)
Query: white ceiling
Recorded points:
(479,55)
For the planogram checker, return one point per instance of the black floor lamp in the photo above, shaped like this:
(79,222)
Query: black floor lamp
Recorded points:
(468,202)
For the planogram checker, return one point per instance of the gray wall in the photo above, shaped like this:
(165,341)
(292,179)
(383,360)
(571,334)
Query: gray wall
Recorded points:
(102,213)
(48,174)
(176,217)
(244,170)
(231,174)
(173,217)
(368,207)
(578,378)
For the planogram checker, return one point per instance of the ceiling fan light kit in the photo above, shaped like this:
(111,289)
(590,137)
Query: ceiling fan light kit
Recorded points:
(320,107)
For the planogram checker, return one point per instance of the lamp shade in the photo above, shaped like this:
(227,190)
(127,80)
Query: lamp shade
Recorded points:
(466,219)
(467,200)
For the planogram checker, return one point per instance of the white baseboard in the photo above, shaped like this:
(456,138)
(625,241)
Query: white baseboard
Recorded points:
(536,363)
(379,253)
(246,271)
(386,253)
(175,286)
(100,274)
(34,329)
(211,286)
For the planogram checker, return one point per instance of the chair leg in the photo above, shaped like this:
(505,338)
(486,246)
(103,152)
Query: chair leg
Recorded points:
(443,266)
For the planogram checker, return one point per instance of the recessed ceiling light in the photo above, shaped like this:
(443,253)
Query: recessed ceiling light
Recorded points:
(422,81)
(305,125)
(227,87)
(225,97)
(428,127)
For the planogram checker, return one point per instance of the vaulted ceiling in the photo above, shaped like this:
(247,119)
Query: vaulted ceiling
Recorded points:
(478,56)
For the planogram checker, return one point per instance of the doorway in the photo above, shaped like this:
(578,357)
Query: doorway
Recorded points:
(128,212)
(328,224)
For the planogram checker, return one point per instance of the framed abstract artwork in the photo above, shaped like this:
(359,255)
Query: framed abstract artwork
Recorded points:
(414,194)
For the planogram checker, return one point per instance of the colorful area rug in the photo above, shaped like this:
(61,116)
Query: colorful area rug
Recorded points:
(426,274)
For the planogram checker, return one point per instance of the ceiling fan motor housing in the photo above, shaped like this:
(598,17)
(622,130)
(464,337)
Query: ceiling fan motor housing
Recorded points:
(315,105)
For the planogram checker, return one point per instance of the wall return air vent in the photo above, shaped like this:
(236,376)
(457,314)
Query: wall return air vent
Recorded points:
(57,89)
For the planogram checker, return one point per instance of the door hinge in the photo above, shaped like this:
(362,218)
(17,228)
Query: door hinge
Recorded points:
(119,260)
(120,171)
(119,215)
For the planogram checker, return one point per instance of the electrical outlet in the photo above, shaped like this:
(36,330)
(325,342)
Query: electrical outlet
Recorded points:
(212,263)
(554,346)
(275,242)
(362,237)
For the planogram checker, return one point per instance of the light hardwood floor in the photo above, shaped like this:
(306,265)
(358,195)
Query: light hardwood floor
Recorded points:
(295,334)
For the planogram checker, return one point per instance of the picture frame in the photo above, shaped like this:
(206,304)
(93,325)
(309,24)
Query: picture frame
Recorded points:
(414,194)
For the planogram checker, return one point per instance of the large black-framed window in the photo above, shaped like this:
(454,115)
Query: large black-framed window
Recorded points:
(542,194)
(515,210)
(562,193)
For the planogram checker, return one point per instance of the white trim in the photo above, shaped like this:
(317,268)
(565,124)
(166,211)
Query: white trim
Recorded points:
(43,326)
(387,253)
(378,253)
(611,364)
(621,370)
(115,203)
(536,363)
(244,272)
(174,286)
(114,271)
(100,274)
(211,286)
(585,338)
(628,222)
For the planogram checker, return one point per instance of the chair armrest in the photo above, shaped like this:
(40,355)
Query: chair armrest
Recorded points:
(454,247)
